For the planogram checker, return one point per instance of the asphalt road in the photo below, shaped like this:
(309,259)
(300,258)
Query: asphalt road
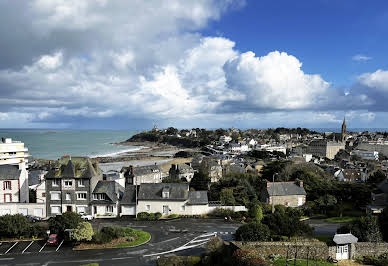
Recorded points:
(183,236)
(323,228)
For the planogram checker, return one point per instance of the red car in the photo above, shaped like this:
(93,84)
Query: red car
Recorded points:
(53,240)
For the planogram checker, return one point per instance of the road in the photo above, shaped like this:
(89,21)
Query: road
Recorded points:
(323,228)
(182,236)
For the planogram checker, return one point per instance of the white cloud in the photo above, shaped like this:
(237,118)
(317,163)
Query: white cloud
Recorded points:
(377,80)
(361,57)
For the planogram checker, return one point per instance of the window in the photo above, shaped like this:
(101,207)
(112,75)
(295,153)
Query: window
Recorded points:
(183,208)
(43,194)
(7,185)
(55,196)
(95,196)
(165,195)
(148,207)
(68,183)
(81,196)
(109,209)
(81,183)
(101,196)
(55,183)
(7,197)
(81,209)
(68,196)
(55,209)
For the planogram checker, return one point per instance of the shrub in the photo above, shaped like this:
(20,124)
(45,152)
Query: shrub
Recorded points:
(253,232)
(158,215)
(246,257)
(145,216)
(36,230)
(214,245)
(102,238)
(68,220)
(142,216)
(84,231)
(173,216)
(14,226)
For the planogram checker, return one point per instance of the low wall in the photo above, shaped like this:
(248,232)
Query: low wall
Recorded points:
(368,249)
(302,249)
(233,208)
(34,209)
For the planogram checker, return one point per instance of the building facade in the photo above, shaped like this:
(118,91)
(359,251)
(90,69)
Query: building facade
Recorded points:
(142,174)
(325,148)
(290,194)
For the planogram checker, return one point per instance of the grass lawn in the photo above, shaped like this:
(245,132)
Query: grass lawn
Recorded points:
(343,219)
(282,262)
(142,237)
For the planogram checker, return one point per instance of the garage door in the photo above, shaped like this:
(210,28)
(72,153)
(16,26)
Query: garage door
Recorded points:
(38,212)
(128,210)
(23,211)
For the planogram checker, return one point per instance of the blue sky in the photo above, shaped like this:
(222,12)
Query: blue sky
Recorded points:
(206,63)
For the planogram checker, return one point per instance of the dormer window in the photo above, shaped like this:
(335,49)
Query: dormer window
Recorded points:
(166,192)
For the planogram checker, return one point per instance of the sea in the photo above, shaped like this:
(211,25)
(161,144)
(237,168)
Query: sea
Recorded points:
(53,143)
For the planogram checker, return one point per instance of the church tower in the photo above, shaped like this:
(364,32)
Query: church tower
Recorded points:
(343,130)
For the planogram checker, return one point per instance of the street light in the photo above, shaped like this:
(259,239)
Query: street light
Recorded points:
(273,181)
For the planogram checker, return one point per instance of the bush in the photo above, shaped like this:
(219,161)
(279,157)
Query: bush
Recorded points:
(253,232)
(84,231)
(246,257)
(214,245)
(173,216)
(218,212)
(157,215)
(102,238)
(36,230)
(145,216)
(68,220)
(14,226)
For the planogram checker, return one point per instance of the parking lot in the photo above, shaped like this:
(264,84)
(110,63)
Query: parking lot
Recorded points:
(28,247)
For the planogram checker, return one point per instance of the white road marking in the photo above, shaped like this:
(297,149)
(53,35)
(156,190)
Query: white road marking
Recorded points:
(42,247)
(122,258)
(188,245)
(27,246)
(11,247)
(171,239)
(59,245)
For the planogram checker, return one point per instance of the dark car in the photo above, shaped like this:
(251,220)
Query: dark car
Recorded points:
(53,240)
(33,219)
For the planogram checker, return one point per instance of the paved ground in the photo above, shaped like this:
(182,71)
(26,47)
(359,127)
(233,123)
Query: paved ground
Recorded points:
(183,236)
(323,228)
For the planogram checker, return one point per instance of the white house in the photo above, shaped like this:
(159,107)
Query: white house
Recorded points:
(366,155)
(225,139)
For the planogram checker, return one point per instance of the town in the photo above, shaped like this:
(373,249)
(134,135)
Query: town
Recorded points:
(281,194)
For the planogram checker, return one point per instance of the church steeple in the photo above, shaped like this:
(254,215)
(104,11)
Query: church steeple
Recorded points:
(343,130)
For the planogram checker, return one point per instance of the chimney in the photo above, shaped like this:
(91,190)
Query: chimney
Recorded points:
(299,183)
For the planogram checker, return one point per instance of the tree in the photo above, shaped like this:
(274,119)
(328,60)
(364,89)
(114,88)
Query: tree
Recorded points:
(14,225)
(383,219)
(226,196)
(253,232)
(68,220)
(256,213)
(84,231)
(377,177)
(200,181)
(366,229)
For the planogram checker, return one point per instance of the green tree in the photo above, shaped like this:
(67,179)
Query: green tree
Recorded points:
(383,219)
(200,181)
(256,213)
(366,229)
(226,196)
(14,225)
(84,231)
(68,220)
(253,232)
(377,177)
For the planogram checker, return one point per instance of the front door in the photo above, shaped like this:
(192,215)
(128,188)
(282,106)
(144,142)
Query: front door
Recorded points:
(165,209)
(342,252)
(69,208)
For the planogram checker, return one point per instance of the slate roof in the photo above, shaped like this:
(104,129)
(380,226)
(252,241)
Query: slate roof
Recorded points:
(9,172)
(284,189)
(341,239)
(107,187)
(129,196)
(154,191)
(68,170)
(198,198)
(76,167)
(33,177)
(142,170)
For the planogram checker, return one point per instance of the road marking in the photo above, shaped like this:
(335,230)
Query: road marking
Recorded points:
(7,259)
(42,247)
(122,258)
(27,246)
(171,239)
(59,245)
(11,247)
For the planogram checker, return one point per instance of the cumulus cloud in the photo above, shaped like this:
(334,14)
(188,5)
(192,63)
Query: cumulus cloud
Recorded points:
(377,80)
(361,57)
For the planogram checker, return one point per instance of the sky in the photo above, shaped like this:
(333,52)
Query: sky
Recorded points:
(99,64)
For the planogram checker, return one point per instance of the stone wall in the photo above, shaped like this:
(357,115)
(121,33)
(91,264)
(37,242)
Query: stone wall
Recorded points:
(302,249)
(368,249)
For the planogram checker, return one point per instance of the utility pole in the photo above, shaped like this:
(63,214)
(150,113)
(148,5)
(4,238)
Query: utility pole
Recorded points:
(272,199)
(135,197)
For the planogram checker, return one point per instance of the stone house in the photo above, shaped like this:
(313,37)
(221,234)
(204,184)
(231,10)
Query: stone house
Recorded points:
(290,194)
(181,171)
(142,174)
(69,185)
(105,199)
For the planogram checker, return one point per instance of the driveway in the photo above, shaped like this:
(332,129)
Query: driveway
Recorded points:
(323,228)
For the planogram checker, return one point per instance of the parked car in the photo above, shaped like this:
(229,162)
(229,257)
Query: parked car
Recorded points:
(87,217)
(32,218)
(53,240)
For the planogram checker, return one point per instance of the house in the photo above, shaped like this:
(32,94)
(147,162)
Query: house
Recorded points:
(70,184)
(225,139)
(365,154)
(290,194)
(212,168)
(142,174)
(182,171)
(105,199)
(37,183)
(171,198)
(379,198)
(10,176)
(350,175)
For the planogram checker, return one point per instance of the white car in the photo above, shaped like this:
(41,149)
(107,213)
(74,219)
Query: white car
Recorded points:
(87,217)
